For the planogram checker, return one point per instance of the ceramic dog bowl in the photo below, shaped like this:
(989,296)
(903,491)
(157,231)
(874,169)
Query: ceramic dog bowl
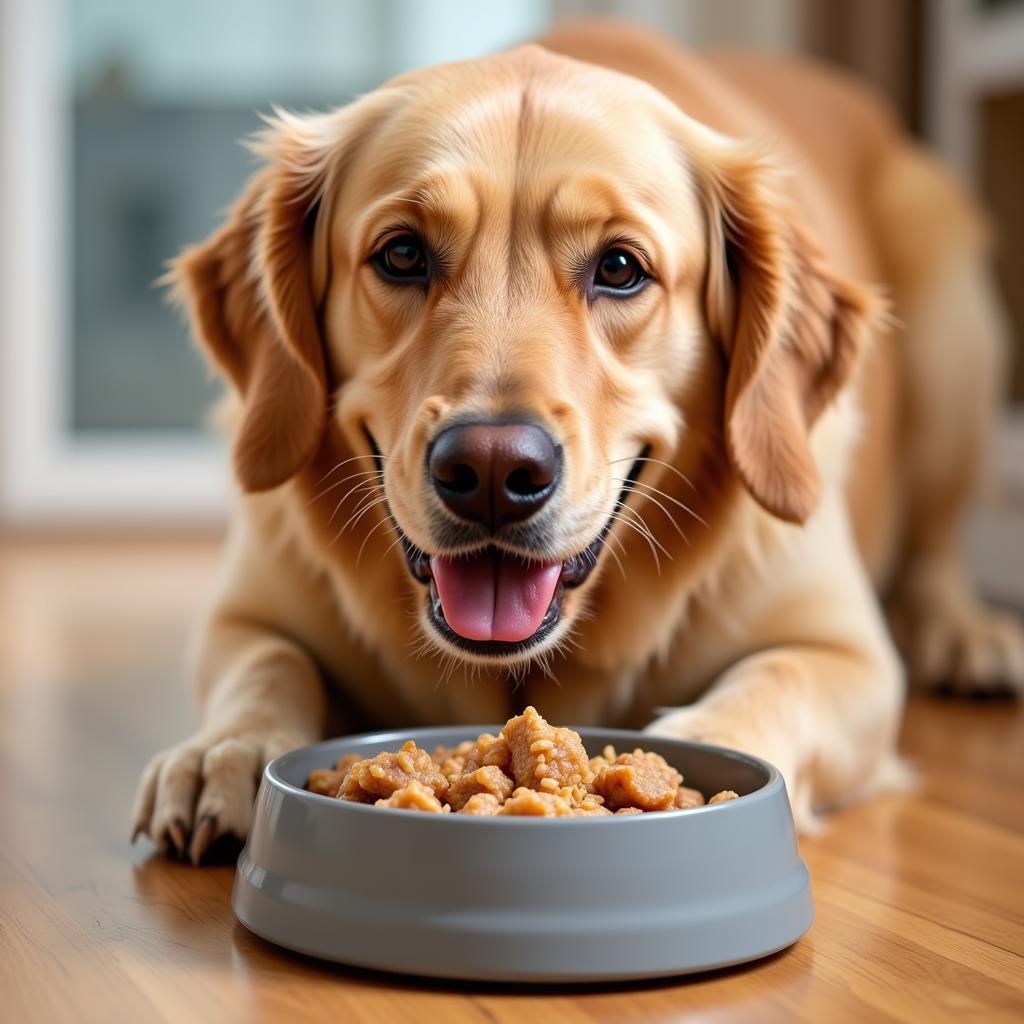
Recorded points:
(526,899)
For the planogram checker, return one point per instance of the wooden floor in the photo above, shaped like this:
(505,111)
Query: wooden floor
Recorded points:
(920,899)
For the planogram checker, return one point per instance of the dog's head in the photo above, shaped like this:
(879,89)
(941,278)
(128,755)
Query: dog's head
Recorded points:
(526,314)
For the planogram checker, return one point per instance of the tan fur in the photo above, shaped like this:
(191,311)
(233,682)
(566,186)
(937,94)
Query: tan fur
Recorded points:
(734,599)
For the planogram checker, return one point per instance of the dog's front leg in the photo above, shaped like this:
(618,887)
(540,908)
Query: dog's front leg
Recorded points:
(825,717)
(260,695)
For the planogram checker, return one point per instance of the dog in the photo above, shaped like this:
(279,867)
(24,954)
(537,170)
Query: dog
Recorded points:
(604,377)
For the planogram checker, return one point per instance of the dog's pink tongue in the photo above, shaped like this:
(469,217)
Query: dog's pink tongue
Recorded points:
(491,596)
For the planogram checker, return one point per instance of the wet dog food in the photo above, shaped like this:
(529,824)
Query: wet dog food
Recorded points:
(531,769)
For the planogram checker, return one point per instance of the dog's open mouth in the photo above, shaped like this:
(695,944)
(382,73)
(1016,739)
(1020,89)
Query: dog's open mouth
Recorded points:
(494,602)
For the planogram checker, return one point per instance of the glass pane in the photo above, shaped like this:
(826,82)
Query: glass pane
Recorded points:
(160,94)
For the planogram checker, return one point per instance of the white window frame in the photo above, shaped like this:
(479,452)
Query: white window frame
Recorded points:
(971,52)
(48,476)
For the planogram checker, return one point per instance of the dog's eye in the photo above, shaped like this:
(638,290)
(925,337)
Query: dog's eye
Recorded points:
(619,271)
(403,258)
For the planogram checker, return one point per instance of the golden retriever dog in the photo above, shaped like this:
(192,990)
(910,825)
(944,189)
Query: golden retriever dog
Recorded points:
(604,377)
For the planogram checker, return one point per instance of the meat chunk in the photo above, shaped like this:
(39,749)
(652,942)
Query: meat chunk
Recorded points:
(530,803)
(442,753)
(590,810)
(325,781)
(489,779)
(346,761)
(721,798)
(687,798)
(602,760)
(414,796)
(540,753)
(490,750)
(382,775)
(452,760)
(482,804)
(641,779)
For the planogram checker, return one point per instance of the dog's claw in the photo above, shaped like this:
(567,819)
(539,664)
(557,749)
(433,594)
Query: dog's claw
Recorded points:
(178,833)
(204,834)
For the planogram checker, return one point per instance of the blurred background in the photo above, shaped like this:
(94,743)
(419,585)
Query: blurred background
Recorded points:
(119,123)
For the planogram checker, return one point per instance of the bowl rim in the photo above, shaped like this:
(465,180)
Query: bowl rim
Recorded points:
(774,783)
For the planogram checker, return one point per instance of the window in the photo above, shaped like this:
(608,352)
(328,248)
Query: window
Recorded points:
(120,126)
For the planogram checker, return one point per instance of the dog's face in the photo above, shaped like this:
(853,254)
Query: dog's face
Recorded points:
(532,301)
(513,307)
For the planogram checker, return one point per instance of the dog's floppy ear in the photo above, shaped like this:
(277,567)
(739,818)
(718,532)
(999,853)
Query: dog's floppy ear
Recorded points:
(252,291)
(792,330)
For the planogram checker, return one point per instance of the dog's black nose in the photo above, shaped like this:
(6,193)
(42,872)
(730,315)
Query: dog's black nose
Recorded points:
(493,473)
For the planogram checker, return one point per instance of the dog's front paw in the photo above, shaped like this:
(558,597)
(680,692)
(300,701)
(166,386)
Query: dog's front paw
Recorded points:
(721,729)
(953,643)
(702,725)
(978,651)
(200,790)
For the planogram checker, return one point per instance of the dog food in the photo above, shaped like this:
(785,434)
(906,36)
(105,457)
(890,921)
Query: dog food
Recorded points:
(415,796)
(721,798)
(489,779)
(638,780)
(381,777)
(531,769)
(327,781)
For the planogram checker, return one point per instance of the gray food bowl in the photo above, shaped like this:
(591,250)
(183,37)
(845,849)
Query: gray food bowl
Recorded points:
(526,899)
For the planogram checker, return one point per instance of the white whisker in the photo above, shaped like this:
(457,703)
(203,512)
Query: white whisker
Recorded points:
(355,489)
(671,518)
(364,506)
(648,532)
(669,497)
(391,547)
(633,526)
(383,522)
(338,483)
(612,553)
(658,462)
(356,516)
(373,504)
(345,462)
